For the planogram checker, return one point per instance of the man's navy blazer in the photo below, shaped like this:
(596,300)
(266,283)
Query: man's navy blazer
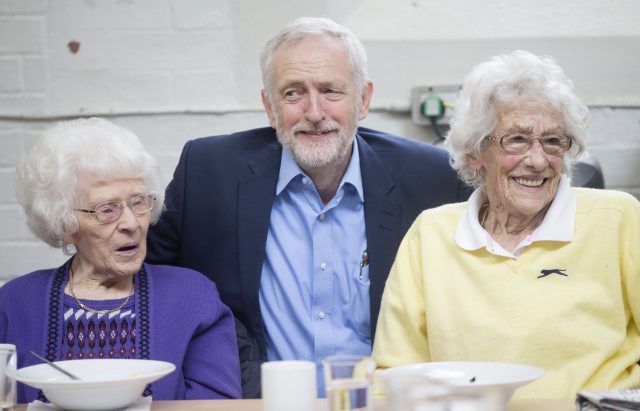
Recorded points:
(218,207)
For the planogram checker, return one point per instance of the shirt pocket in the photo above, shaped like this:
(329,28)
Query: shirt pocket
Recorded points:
(359,313)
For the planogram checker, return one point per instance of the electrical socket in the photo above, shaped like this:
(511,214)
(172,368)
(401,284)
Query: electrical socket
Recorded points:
(425,101)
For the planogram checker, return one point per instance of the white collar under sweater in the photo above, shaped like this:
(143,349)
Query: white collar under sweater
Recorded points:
(557,224)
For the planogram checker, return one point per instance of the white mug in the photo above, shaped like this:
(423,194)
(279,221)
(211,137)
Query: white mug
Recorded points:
(288,386)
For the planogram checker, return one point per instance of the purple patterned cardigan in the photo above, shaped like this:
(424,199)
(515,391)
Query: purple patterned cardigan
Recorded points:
(180,319)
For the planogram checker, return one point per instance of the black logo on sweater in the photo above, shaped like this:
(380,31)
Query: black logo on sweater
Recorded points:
(559,271)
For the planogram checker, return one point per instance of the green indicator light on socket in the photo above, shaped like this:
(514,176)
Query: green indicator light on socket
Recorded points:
(433,106)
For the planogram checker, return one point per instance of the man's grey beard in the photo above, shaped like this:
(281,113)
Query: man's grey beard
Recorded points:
(312,154)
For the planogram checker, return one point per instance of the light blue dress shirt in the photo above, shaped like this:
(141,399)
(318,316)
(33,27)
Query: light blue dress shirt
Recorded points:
(314,294)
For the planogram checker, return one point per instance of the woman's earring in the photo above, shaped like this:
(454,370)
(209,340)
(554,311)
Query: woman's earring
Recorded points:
(68,249)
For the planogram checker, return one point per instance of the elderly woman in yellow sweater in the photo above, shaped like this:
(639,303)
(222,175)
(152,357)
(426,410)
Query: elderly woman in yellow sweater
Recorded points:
(529,270)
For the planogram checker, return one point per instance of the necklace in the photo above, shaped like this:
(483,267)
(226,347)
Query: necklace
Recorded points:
(92,310)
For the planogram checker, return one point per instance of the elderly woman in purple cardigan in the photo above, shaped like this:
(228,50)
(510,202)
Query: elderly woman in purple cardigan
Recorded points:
(89,188)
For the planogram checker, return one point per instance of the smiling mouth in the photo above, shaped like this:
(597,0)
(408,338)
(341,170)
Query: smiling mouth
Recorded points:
(527,182)
(316,133)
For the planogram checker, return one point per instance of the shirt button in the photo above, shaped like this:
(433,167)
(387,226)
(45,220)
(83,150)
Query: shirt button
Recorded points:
(322,217)
(305,180)
(323,266)
(321,315)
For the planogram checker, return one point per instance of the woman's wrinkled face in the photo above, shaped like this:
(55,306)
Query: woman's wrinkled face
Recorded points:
(113,249)
(521,184)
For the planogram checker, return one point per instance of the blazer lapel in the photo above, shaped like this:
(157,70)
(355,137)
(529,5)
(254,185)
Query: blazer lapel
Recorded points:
(382,212)
(255,199)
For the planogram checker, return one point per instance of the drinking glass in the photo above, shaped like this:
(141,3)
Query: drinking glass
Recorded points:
(8,362)
(349,381)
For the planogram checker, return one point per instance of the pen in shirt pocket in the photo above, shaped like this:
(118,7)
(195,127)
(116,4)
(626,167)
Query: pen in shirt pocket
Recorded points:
(364,261)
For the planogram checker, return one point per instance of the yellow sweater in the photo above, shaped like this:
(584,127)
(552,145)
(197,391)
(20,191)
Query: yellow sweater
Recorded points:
(442,303)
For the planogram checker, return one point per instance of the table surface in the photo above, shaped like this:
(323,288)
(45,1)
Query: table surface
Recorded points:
(256,405)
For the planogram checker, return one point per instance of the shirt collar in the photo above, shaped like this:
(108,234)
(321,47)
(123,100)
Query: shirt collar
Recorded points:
(289,170)
(557,224)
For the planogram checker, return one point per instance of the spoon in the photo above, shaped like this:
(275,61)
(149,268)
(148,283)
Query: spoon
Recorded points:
(57,367)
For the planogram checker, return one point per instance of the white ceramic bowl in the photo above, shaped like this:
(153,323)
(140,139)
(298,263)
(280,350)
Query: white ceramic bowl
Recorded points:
(490,384)
(105,384)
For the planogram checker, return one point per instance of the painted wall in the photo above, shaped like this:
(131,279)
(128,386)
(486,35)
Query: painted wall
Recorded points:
(172,70)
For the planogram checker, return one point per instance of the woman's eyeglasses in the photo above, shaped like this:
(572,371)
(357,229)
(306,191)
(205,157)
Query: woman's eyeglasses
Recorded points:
(552,144)
(112,210)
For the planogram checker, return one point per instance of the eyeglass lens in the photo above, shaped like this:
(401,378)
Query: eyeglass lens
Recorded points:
(551,144)
(139,204)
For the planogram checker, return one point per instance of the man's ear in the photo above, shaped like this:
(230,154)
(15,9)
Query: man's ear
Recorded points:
(268,107)
(365,100)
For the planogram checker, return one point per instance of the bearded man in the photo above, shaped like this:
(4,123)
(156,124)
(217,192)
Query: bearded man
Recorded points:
(300,240)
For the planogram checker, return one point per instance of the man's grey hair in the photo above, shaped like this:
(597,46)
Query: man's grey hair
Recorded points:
(316,27)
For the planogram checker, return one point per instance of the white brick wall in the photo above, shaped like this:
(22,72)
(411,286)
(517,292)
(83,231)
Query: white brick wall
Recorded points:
(27,6)
(10,74)
(22,34)
(12,148)
(177,69)
(34,74)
